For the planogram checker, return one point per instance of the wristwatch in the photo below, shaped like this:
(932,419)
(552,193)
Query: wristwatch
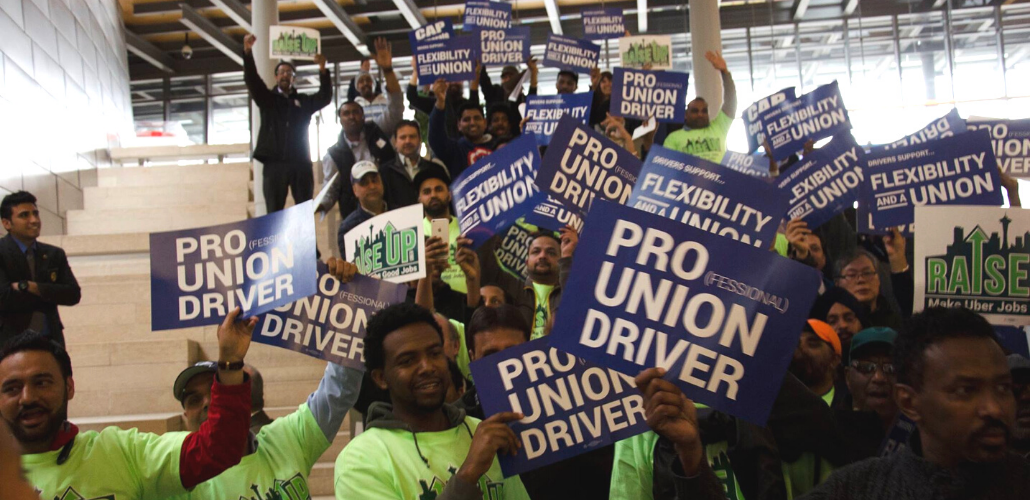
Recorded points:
(23,286)
(230,365)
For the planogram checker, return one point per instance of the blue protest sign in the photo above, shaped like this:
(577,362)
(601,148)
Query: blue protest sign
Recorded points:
(440,30)
(582,165)
(496,190)
(1014,338)
(756,165)
(752,116)
(709,197)
(722,318)
(453,59)
(945,126)
(954,171)
(511,254)
(897,436)
(554,215)
(330,324)
(642,94)
(198,275)
(486,15)
(543,113)
(825,183)
(1011,139)
(570,406)
(815,115)
(503,47)
(575,55)
(602,24)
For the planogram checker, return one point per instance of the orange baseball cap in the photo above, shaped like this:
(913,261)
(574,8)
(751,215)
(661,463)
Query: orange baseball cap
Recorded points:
(825,332)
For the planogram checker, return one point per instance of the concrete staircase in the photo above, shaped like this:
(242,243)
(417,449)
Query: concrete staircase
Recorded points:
(124,371)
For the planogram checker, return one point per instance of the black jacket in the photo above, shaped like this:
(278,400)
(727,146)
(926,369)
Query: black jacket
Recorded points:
(57,286)
(283,137)
(399,190)
(378,145)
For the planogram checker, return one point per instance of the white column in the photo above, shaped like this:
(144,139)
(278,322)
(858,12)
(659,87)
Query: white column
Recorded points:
(263,13)
(705,35)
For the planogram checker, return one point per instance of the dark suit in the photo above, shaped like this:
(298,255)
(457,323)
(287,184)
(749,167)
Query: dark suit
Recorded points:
(57,286)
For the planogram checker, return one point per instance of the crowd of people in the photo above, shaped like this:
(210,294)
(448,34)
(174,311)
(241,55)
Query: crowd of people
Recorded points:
(864,368)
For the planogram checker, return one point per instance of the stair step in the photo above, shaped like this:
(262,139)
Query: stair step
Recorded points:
(111,265)
(234,175)
(320,482)
(180,195)
(100,244)
(152,219)
(136,352)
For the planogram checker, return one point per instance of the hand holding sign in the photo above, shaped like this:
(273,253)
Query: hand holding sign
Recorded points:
(672,416)
(341,269)
(569,240)
(234,337)
(797,235)
(492,437)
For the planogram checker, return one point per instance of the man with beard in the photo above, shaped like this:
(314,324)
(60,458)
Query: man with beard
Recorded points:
(503,122)
(474,142)
(547,265)
(839,309)
(282,141)
(435,196)
(416,445)
(386,109)
(1020,368)
(399,172)
(453,101)
(954,383)
(701,137)
(36,384)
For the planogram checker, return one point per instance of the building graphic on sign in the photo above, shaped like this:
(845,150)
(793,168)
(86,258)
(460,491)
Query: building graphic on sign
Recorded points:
(989,273)
(388,252)
(646,52)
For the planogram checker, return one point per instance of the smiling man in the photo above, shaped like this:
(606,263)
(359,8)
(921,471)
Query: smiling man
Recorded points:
(417,446)
(35,277)
(954,383)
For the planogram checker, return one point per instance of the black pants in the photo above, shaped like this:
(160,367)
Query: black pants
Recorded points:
(280,177)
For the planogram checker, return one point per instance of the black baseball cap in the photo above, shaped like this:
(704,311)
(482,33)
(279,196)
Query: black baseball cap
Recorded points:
(184,377)
(433,171)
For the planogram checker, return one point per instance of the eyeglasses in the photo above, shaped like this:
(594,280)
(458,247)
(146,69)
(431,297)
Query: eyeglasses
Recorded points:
(868,367)
(854,276)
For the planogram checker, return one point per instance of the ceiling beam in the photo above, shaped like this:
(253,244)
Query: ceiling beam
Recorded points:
(554,16)
(209,32)
(411,12)
(849,7)
(344,23)
(798,10)
(149,53)
(236,11)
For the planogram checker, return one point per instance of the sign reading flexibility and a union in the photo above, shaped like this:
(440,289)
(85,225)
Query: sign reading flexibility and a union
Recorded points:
(974,257)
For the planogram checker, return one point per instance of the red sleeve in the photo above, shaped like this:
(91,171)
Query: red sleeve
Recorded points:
(221,439)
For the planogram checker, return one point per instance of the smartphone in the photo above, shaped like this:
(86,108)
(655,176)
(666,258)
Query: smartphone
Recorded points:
(441,229)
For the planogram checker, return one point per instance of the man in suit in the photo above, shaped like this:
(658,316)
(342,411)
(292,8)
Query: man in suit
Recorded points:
(34,277)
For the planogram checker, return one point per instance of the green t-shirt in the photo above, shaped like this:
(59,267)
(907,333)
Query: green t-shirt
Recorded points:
(543,309)
(385,463)
(463,351)
(708,143)
(633,468)
(801,476)
(287,450)
(453,275)
(111,464)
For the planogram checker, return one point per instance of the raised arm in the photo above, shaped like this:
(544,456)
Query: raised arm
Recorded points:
(324,96)
(258,91)
(729,89)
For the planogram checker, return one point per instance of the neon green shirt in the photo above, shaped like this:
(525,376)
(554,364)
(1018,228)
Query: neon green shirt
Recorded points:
(801,476)
(708,143)
(453,275)
(385,463)
(543,309)
(633,468)
(463,351)
(111,464)
(287,450)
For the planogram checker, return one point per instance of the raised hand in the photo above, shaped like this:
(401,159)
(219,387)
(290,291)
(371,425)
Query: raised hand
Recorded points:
(895,245)
(717,61)
(797,234)
(248,42)
(234,337)
(341,269)
(320,61)
(384,53)
(569,240)
(440,91)
(467,258)
(436,252)
(492,437)
(671,415)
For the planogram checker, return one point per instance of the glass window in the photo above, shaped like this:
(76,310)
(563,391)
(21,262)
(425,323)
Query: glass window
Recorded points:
(190,114)
(230,119)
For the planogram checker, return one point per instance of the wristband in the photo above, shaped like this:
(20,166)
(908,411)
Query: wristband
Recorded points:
(230,365)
